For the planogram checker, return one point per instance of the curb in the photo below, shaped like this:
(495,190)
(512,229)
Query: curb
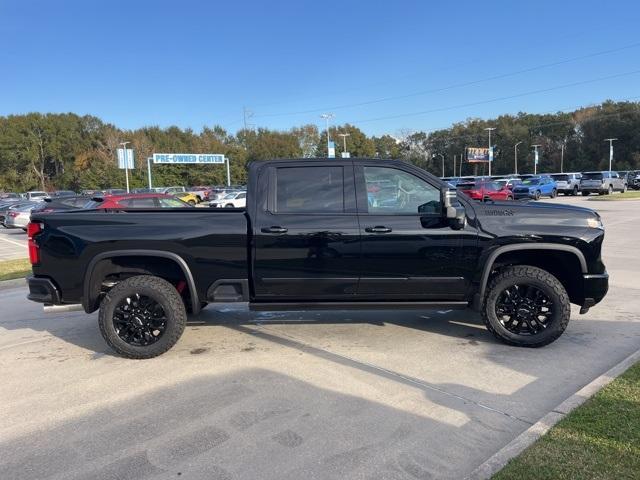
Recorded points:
(496,462)
(15,283)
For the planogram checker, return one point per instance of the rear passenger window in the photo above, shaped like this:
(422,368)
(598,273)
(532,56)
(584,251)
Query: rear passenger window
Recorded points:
(309,190)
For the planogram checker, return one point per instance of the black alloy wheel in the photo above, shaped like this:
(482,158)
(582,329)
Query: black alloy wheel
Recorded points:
(139,320)
(524,309)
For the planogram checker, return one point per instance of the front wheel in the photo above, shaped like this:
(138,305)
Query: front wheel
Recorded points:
(192,203)
(575,191)
(229,205)
(537,195)
(554,193)
(526,306)
(142,317)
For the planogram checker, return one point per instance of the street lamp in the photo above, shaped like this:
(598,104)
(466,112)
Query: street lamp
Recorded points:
(327,117)
(435,155)
(515,149)
(535,160)
(610,140)
(344,141)
(126,163)
(489,129)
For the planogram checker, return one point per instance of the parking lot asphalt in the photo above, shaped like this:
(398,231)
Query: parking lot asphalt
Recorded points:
(316,395)
(13,243)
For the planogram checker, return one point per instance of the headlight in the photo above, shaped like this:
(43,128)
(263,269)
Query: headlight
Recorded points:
(595,223)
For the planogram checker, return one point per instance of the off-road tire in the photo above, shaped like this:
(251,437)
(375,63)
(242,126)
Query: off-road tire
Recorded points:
(163,293)
(541,279)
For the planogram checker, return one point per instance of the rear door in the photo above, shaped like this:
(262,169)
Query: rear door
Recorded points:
(306,235)
(409,252)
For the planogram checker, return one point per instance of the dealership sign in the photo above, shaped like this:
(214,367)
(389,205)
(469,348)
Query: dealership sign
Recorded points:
(188,158)
(479,154)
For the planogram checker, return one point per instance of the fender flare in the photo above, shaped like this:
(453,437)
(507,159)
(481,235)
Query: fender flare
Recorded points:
(195,301)
(484,280)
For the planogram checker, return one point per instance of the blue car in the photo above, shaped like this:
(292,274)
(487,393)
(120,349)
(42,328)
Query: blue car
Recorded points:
(536,187)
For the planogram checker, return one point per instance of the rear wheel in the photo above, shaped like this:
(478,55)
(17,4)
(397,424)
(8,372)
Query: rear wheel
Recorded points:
(575,191)
(192,202)
(142,317)
(526,306)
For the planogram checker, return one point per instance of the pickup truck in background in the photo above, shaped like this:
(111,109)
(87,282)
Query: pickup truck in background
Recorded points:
(322,234)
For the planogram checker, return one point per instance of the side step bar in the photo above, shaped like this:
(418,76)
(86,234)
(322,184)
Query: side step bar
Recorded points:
(71,307)
(297,306)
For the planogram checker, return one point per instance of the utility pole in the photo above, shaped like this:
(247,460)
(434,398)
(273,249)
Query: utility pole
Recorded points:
(535,160)
(454,165)
(515,149)
(562,157)
(344,141)
(327,117)
(610,140)
(126,163)
(489,129)
(435,155)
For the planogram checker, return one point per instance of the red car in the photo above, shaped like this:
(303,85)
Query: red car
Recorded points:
(482,190)
(137,200)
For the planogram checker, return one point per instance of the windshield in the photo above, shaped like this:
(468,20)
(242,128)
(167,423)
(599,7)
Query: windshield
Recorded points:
(531,181)
(230,196)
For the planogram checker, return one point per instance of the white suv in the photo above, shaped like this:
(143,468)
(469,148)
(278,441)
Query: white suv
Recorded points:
(231,200)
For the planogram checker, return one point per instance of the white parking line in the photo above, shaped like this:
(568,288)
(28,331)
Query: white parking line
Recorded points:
(15,243)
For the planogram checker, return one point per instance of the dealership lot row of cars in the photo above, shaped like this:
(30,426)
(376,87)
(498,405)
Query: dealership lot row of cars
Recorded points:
(16,209)
(527,186)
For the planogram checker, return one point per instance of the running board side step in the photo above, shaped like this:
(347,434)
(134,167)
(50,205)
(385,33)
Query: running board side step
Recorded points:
(298,306)
(69,307)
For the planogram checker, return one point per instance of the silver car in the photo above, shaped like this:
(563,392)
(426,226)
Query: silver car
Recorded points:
(19,216)
(567,183)
(602,183)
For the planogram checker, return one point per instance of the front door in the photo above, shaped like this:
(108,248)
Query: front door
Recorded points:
(306,235)
(409,252)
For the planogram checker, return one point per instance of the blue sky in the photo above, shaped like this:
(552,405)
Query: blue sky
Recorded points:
(193,63)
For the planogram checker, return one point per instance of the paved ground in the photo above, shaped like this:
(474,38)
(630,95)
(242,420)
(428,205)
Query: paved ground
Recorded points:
(13,243)
(380,395)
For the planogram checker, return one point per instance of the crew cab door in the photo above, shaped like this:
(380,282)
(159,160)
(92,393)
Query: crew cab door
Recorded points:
(409,251)
(306,235)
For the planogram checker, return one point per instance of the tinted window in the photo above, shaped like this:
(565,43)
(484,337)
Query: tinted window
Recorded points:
(309,189)
(391,191)
(139,203)
(241,196)
(560,178)
(592,176)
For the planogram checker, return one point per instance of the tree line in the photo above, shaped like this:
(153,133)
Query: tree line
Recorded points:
(68,151)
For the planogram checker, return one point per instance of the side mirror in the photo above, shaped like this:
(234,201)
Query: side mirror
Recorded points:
(453,209)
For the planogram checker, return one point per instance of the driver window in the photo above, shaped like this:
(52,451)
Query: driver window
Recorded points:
(391,191)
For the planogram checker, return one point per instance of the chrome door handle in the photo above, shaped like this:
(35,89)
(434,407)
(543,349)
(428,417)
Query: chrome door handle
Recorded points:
(377,229)
(274,229)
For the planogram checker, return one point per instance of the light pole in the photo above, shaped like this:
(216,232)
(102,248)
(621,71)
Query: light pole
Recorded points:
(327,117)
(515,150)
(435,155)
(562,157)
(149,170)
(610,140)
(489,129)
(126,163)
(344,141)
(535,160)
(454,165)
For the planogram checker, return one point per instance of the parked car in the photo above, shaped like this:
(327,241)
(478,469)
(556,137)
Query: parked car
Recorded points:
(19,216)
(536,187)
(62,203)
(309,238)
(36,195)
(188,197)
(136,200)
(172,190)
(602,183)
(11,203)
(632,178)
(485,190)
(62,193)
(9,196)
(509,182)
(230,200)
(567,183)
(202,193)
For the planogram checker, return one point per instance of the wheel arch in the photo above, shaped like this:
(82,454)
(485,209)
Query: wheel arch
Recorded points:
(91,286)
(511,252)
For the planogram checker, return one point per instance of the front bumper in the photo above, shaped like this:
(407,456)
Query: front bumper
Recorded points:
(595,287)
(43,290)
(519,195)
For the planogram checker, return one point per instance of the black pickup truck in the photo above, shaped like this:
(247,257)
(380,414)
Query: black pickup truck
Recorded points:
(322,234)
